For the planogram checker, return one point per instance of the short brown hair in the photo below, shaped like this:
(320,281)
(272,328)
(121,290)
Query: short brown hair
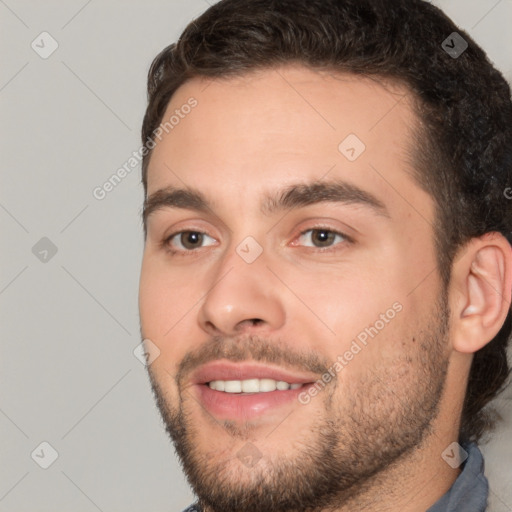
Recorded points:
(462,155)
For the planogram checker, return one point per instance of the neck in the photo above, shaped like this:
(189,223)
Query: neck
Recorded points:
(421,477)
(412,484)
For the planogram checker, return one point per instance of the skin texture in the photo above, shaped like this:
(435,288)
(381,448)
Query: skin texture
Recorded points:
(373,438)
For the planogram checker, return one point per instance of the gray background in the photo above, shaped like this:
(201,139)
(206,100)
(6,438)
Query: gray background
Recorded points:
(69,323)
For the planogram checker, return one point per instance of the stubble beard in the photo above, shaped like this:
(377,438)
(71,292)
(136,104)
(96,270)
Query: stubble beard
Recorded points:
(385,417)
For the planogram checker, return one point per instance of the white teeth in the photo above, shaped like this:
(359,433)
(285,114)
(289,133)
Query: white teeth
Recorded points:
(282,386)
(233,386)
(267,385)
(251,385)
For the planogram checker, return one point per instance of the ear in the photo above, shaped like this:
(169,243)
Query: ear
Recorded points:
(480,291)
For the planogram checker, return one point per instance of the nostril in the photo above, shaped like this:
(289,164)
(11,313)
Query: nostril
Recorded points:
(249,322)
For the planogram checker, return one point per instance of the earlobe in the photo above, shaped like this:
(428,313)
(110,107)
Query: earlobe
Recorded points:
(485,280)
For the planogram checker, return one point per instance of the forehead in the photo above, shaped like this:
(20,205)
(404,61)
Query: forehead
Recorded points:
(274,125)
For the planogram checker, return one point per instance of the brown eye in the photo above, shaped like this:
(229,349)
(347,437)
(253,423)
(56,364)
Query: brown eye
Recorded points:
(322,237)
(187,241)
(191,239)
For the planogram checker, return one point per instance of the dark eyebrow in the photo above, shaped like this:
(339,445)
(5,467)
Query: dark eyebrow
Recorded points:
(291,197)
(334,191)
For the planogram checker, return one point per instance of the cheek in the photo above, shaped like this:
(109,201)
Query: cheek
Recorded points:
(365,319)
(153,299)
(346,302)
(157,317)
(164,298)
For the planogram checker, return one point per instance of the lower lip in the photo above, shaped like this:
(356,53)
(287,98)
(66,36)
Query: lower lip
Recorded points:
(243,407)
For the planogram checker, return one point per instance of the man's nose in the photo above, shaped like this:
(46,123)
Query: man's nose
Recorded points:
(240,295)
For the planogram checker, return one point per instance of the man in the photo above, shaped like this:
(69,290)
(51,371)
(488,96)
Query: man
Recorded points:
(327,269)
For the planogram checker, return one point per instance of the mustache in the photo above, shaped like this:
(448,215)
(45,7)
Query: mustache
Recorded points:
(254,348)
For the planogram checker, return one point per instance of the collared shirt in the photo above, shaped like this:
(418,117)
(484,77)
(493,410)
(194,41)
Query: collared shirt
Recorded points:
(470,491)
(467,494)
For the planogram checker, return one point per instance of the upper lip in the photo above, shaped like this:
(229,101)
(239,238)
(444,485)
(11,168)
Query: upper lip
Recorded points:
(226,370)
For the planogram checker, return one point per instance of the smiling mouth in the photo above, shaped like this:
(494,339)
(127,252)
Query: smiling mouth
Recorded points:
(243,391)
(247,399)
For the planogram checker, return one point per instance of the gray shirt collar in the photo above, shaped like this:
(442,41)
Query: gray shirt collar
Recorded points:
(470,491)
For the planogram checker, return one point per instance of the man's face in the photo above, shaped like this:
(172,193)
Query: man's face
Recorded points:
(338,286)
